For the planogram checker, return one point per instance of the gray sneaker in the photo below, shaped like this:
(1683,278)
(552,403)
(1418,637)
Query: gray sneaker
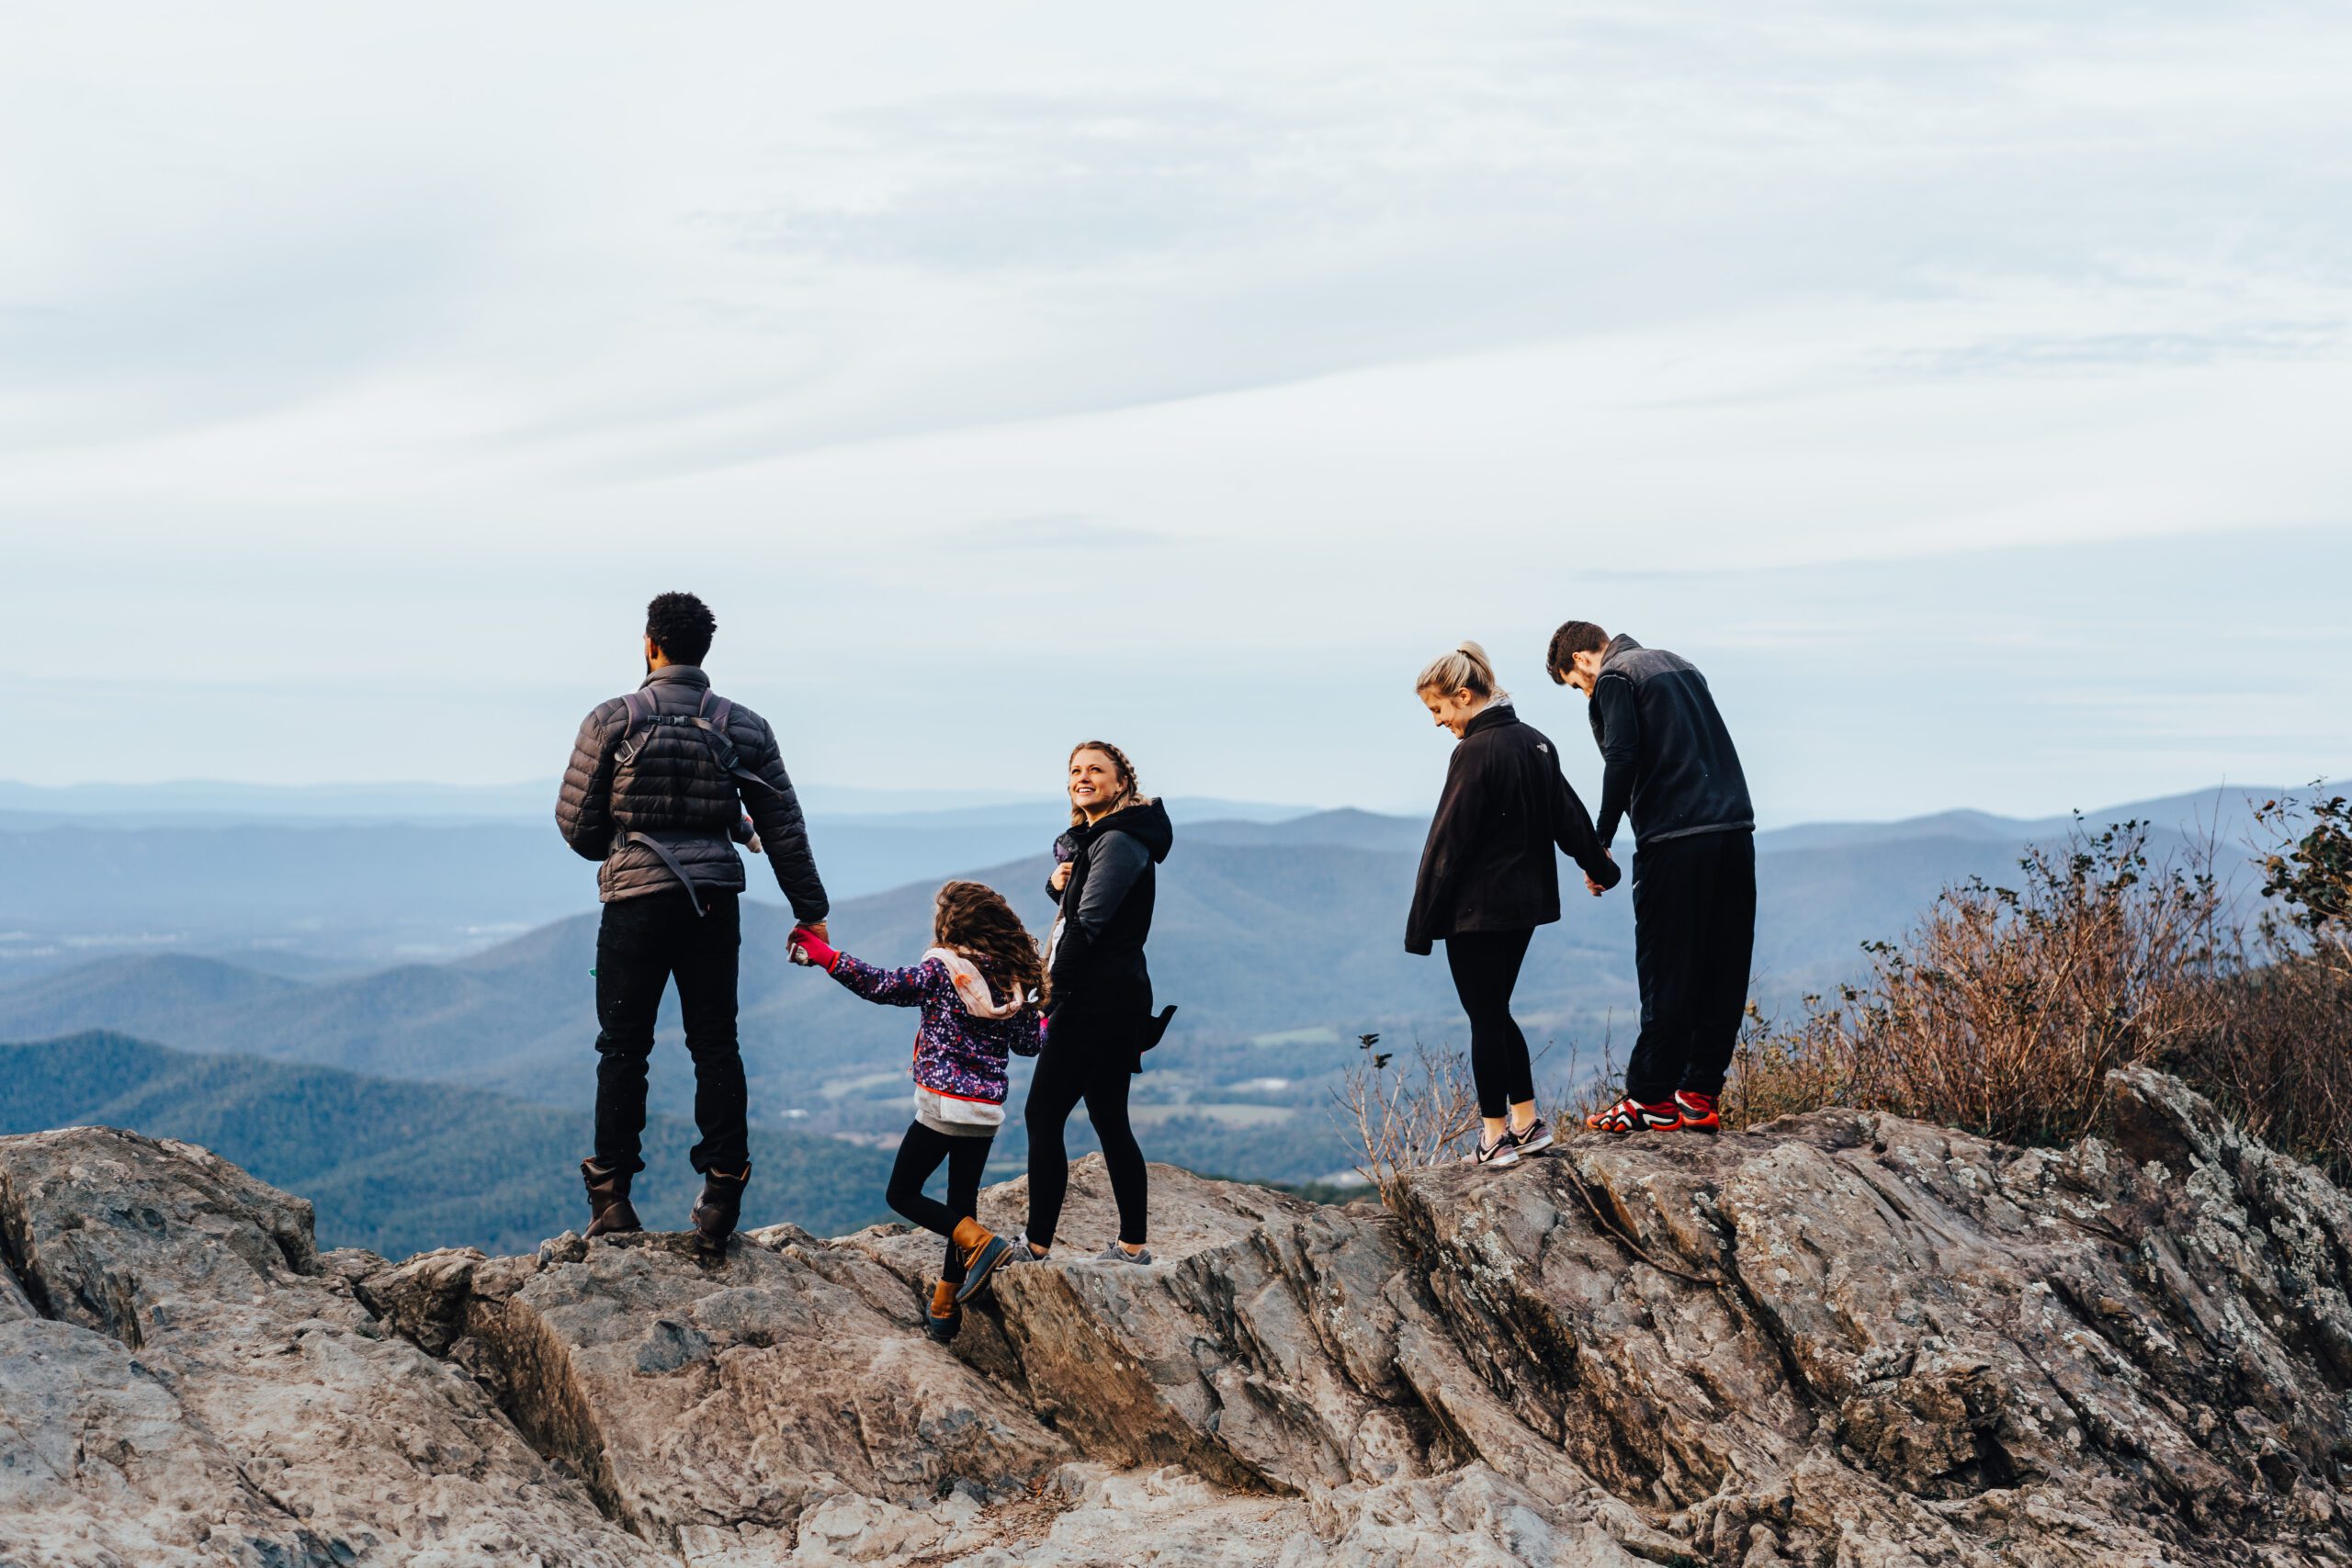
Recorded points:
(1501,1152)
(1021,1253)
(1536,1136)
(1114,1252)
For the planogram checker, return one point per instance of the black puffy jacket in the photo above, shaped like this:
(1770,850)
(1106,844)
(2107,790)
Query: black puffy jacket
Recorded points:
(1106,908)
(665,780)
(1487,865)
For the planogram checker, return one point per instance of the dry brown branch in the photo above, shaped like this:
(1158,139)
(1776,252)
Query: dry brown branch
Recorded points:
(1405,1119)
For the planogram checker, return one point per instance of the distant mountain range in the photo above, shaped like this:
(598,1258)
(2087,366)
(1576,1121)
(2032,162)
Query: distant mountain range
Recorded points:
(341,882)
(1280,942)
(398,1168)
(183,801)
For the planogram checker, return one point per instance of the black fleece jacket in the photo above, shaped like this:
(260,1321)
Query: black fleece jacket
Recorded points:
(1666,756)
(1487,865)
(1106,908)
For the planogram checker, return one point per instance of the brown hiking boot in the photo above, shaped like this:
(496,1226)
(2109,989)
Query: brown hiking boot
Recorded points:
(943,1317)
(716,1212)
(609,1211)
(983,1250)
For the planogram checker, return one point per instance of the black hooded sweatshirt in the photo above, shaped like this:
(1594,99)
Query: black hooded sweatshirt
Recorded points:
(1487,865)
(1096,954)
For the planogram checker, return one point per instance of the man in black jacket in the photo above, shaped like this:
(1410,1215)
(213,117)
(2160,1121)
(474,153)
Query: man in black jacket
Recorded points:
(657,792)
(1668,762)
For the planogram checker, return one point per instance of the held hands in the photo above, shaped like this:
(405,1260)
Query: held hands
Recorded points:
(1596,887)
(808,946)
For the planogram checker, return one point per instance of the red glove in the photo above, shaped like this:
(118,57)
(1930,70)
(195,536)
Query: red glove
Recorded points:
(813,949)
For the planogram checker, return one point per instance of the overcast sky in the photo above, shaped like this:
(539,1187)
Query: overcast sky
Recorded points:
(1962,387)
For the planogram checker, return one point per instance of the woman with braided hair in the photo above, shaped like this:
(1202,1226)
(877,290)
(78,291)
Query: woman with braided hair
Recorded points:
(1104,881)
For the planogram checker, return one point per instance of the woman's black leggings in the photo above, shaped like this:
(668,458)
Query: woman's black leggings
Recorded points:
(919,1154)
(1079,1063)
(1485,967)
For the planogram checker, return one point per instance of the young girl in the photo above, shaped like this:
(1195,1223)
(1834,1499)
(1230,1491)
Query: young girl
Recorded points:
(980,991)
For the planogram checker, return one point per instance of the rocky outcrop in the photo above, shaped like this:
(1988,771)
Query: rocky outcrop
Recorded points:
(195,1386)
(1841,1339)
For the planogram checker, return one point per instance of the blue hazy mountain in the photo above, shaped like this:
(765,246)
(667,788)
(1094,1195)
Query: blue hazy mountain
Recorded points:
(1279,940)
(339,882)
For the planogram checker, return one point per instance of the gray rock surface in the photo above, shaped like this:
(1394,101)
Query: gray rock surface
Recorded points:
(196,1389)
(1841,1340)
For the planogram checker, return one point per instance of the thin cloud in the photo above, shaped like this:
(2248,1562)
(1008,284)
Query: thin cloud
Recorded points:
(1049,534)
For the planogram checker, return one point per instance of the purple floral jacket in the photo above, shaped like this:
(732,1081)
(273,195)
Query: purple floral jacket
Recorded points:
(956,1054)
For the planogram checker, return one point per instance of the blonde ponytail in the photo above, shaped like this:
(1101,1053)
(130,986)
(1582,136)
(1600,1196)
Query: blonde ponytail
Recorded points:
(1466,668)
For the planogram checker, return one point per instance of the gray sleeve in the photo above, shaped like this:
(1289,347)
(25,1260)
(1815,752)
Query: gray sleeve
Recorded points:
(583,809)
(1621,744)
(1119,859)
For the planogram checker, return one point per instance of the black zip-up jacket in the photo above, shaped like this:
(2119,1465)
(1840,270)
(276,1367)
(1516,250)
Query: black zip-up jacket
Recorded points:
(1106,908)
(1666,756)
(1487,865)
(672,787)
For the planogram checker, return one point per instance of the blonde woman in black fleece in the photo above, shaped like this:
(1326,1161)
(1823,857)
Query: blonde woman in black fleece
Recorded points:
(1487,880)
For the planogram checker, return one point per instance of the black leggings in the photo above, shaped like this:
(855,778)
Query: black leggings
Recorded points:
(919,1154)
(1485,967)
(1083,1062)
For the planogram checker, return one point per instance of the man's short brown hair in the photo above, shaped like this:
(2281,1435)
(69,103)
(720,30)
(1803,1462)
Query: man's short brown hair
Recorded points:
(1572,639)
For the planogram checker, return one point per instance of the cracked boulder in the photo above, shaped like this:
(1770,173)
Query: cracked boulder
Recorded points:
(719,1401)
(181,1384)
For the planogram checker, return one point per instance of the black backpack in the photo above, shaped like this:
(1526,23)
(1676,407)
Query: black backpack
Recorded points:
(710,717)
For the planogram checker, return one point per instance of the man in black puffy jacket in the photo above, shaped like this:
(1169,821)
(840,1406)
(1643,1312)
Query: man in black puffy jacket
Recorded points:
(657,793)
(1667,761)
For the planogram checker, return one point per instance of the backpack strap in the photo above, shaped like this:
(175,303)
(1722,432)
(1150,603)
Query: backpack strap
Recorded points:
(637,708)
(623,838)
(711,715)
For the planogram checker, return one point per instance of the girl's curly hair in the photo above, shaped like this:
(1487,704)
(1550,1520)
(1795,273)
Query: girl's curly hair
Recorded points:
(975,920)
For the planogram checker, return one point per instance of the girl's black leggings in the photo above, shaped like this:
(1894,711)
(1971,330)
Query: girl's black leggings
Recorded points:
(1082,1062)
(919,1154)
(1486,968)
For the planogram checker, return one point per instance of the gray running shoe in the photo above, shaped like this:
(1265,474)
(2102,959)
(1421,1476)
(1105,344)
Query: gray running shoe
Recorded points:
(1537,1137)
(1020,1252)
(1114,1252)
(1500,1152)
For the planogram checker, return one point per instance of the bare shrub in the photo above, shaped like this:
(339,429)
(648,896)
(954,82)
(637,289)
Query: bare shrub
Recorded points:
(1404,1119)
(2280,1055)
(2004,1009)
(2278,1058)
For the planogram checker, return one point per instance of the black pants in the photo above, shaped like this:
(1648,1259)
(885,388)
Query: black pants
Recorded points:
(919,1154)
(1094,1062)
(1694,938)
(644,942)
(1485,969)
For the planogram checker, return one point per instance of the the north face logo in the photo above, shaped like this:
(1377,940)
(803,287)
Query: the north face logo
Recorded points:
(1541,747)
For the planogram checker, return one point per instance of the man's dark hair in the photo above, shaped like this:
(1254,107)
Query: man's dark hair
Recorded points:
(1572,639)
(681,627)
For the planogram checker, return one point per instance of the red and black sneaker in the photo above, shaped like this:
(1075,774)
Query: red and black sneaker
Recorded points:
(1698,1111)
(1631,1115)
